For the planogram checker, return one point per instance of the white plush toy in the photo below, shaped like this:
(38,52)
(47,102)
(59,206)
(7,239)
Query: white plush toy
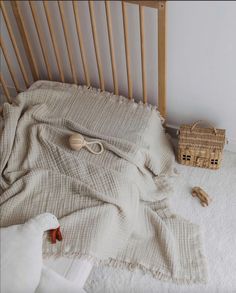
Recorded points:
(51,282)
(21,253)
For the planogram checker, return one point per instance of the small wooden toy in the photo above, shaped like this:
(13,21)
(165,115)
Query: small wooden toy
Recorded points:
(77,142)
(202,195)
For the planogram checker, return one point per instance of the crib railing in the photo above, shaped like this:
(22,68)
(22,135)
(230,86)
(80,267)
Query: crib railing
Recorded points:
(160,6)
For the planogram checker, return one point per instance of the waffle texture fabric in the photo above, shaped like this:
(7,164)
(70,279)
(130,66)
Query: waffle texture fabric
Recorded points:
(113,207)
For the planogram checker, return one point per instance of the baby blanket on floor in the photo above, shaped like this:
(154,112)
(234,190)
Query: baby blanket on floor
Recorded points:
(109,206)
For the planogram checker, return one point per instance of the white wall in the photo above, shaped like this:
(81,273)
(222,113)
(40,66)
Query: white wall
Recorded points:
(202,63)
(201,79)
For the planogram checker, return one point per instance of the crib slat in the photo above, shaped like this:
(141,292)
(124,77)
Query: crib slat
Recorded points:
(14,44)
(143,60)
(9,65)
(111,46)
(81,44)
(68,44)
(25,39)
(127,51)
(5,89)
(151,4)
(96,46)
(40,37)
(54,41)
(162,58)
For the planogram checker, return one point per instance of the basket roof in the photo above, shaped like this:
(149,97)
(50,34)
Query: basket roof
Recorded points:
(201,137)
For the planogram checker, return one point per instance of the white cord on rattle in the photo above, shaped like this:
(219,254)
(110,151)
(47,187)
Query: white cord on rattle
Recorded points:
(77,142)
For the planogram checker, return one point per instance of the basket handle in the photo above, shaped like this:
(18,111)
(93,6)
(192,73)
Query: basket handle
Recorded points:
(205,122)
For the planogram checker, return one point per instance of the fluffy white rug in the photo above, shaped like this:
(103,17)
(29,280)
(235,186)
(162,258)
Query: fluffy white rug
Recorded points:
(218,222)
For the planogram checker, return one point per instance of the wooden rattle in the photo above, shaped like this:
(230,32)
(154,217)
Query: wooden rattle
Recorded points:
(202,195)
(77,142)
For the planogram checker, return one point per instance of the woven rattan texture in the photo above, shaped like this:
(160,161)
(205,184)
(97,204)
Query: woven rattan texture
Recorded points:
(200,147)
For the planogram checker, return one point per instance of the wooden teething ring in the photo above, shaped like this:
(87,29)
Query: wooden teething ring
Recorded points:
(77,142)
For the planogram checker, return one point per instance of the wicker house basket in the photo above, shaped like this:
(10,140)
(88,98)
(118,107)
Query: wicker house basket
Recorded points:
(200,147)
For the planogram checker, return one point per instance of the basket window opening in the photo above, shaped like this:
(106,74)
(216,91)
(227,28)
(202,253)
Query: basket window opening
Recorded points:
(186,157)
(214,161)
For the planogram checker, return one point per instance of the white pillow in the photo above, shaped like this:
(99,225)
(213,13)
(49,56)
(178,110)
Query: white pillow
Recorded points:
(135,123)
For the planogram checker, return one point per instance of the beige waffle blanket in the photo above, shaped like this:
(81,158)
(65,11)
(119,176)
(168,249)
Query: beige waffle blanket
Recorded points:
(109,206)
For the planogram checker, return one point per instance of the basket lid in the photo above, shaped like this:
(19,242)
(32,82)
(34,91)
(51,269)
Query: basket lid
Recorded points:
(201,137)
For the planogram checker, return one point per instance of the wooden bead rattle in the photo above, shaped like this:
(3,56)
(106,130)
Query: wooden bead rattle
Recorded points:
(77,142)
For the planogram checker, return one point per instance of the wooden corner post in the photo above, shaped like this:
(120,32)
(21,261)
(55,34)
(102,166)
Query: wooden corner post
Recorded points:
(162,58)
